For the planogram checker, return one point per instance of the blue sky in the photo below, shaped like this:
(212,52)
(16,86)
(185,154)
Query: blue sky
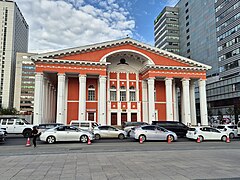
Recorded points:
(58,24)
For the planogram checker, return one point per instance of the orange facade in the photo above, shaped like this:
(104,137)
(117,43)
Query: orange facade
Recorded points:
(97,61)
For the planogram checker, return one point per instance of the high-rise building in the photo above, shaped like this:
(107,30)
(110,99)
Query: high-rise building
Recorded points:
(209,31)
(14,38)
(24,83)
(166,30)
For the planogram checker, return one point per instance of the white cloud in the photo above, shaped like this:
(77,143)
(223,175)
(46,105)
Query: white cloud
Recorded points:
(58,24)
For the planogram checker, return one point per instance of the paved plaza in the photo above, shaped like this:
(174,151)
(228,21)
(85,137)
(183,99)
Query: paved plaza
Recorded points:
(98,165)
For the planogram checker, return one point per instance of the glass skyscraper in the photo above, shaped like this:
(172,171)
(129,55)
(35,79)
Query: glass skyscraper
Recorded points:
(209,32)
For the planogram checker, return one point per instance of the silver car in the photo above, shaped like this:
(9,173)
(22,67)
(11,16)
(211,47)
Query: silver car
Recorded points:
(66,133)
(108,132)
(152,132)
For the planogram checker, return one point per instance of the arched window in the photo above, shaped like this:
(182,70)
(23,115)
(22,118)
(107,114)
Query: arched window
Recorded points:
(91,93)
(122,93)
(113,93)
(132,93)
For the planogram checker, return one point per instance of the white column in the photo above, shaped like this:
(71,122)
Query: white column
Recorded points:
(182,105)
(151,101)
(61,99)
(44,103)
(203,101)
(169,99)
(82,98)
(137,98)
(38,98)
(108,102)
(66,99)
(119,109)
(175,101)
(144,101)
(128,98)
(193,104)
(51,104)
(54,105)
(102,100)
(186,102)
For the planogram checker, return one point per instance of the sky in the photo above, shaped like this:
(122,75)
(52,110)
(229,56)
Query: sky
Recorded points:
(61,24)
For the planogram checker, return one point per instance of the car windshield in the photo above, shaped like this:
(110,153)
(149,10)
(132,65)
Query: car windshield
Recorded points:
(26,122)
(191,129)
(221,127)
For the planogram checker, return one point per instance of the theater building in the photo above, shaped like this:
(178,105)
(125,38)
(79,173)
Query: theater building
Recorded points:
(117,81)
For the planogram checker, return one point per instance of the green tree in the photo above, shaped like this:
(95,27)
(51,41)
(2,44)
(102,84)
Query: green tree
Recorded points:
(8,111)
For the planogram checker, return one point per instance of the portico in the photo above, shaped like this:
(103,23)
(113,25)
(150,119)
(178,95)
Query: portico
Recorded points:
(117,81)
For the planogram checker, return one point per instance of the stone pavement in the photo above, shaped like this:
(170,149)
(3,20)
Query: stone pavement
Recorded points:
(159,165)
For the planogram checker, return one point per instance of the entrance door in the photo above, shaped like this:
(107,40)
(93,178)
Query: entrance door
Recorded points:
(123,117)
(91,116)
(133,117)
(113,118)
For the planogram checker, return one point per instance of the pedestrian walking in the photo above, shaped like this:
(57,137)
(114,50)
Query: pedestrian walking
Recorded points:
(34,135)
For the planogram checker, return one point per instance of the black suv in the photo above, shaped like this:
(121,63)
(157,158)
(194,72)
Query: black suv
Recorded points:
(126,124)
(179,128)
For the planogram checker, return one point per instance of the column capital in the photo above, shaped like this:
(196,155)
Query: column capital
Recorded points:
(185,79)
(102,77)
(38,73)
(61,74)
(82,75)
(168,78)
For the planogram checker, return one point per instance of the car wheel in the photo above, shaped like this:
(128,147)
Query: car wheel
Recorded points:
(84,138)
(120,136)
(171,138)
(224,138)
(231,136)
(97,136)
(201,138)
(143,137)
(51,139)
(27,133)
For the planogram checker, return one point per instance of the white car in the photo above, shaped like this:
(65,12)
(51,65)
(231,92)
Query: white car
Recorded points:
(66,133)
(108,132)
(206,133)
(152,132)
(231,130)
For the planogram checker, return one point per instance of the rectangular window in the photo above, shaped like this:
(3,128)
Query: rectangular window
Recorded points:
(188,37)
(113,96)
(187,24)
(188,44)
(188,51)
(91,95)
(132,96)
(122,95)
(187,17)
(187,31)
(186,11)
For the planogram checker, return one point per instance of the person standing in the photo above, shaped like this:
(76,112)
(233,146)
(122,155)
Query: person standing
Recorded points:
(34,135)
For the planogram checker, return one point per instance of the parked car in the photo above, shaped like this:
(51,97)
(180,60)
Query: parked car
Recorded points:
(231,130)
(108,132)
(152,132)
(66,133)
(179,128)
(4,131)
(15,125)
(87,125)
(127,126)
(44,127)
(238,128)
(2,135)
(206,133)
